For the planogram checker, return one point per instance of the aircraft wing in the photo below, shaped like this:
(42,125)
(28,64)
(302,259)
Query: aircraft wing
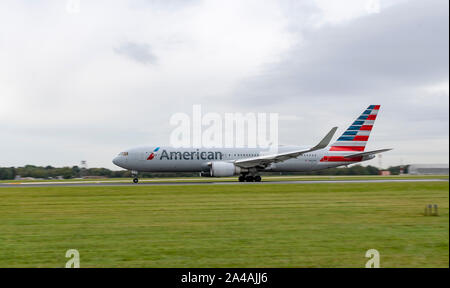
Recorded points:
(264,161)
(367,153)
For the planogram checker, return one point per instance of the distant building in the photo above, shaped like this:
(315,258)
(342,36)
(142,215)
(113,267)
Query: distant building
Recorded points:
(18,177)
(385,172)
(428,169)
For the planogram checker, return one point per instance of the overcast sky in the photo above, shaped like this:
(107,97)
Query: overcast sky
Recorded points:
(84,83)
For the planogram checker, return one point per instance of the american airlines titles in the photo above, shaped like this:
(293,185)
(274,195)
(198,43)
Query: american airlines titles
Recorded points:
(191,155)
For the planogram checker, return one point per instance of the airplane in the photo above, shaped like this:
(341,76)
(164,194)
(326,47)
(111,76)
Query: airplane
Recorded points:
(249,163)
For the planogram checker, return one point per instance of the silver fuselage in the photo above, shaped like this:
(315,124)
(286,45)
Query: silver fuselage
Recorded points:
(169,159)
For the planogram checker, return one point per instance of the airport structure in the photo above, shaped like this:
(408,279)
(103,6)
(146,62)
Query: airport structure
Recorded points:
(428,169)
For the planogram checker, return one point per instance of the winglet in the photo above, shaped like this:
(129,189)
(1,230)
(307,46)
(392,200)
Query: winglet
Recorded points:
(326,140)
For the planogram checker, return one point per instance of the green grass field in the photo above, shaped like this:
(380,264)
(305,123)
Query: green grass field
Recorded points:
(272,225)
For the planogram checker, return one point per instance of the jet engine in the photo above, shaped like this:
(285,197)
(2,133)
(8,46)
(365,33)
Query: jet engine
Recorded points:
(222,169)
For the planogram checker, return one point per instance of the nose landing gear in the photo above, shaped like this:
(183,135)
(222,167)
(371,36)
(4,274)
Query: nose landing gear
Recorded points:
(135,175)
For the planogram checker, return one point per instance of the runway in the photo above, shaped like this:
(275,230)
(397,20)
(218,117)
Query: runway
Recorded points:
(193,183)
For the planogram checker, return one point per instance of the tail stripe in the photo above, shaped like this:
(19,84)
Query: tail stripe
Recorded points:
(354,138)
(347,148)
(366,127)
(361,138)
(340,159)
(350,133)
(346,138)
(363,127)
(351,143)
(363,133)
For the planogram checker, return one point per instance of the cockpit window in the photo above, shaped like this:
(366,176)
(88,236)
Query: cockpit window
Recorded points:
(123,154)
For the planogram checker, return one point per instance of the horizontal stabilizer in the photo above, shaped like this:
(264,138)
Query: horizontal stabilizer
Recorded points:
(367,153)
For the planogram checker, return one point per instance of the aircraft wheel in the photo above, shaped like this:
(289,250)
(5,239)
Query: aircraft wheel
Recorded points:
(135,180)
(257,178)
(249,179)
(241,178)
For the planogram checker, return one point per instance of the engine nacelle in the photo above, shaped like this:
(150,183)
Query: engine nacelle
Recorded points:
(224,169)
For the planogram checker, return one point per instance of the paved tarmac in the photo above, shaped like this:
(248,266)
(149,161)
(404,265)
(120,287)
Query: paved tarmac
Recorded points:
(189,183)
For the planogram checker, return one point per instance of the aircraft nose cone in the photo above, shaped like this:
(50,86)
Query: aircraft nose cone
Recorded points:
(116,161)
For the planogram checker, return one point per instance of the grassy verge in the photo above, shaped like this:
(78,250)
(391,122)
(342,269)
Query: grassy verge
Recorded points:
(283,225)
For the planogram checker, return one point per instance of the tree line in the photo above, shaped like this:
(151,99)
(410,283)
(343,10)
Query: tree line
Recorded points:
(49,172)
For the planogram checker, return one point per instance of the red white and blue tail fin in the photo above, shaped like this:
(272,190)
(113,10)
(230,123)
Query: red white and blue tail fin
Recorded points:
(357,135)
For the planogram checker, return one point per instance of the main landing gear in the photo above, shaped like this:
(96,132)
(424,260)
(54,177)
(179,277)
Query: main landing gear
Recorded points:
(135,175)
(249,178)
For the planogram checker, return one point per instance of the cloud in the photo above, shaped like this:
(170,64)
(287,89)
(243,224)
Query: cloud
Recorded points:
(370,55)
(70,88)
(139,52)
(397,58)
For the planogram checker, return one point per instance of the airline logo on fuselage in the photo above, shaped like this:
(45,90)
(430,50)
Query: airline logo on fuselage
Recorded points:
(152,155)
(187,155)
